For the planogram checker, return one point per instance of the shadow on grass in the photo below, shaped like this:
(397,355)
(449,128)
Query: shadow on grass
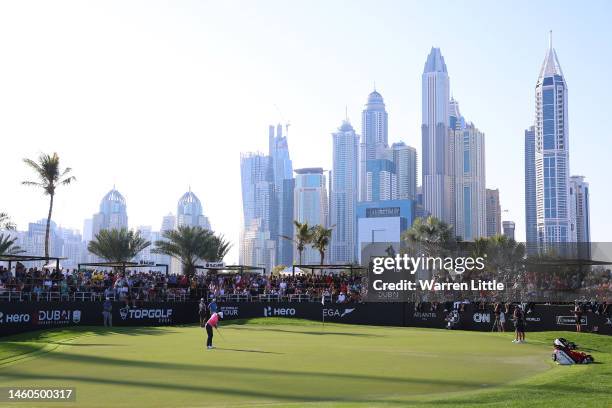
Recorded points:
(247,351)
(313,333)
(216,389)
(269,394)
(62,356)
(67,343)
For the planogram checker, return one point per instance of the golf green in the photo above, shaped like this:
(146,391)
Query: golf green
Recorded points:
(288,362)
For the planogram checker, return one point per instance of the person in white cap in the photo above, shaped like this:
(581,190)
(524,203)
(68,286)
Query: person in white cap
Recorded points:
(212,322)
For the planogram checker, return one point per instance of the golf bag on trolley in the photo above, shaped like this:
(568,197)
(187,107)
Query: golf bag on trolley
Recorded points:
(565,353)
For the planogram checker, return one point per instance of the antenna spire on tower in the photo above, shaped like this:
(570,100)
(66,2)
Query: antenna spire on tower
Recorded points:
(550,39)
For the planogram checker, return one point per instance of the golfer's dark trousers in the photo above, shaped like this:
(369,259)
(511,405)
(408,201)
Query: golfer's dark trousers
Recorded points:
(209,331)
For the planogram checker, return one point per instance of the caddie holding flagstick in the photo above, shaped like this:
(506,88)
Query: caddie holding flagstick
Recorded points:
(213,322)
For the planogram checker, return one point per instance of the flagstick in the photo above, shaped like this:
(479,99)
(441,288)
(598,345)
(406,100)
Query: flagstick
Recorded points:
(323,312)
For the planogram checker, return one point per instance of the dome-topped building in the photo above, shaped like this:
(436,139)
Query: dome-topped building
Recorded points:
(113,212)
(375,98)
(189,211)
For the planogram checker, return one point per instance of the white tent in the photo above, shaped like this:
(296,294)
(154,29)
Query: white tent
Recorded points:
(288,271)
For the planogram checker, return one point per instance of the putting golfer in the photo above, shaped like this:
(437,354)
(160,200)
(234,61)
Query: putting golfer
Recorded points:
(212,322)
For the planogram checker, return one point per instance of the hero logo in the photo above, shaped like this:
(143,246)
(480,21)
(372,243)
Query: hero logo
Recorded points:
(270,311)
(482,317)
(163,315)
(336,312)
(570,321)
(14,318)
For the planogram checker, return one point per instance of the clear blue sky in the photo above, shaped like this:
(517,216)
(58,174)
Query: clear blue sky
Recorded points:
(157,96)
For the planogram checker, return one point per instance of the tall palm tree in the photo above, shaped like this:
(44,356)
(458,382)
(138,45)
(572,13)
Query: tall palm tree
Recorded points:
(5,222)
(190,245)
(50,176)
(117,245)
(8,247)
(303,236)
(320,239)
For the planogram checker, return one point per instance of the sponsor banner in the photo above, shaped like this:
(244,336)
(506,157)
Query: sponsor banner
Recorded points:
(571,320)
(22,316)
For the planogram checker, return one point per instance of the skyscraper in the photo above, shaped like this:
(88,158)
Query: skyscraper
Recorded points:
(282,203)
(509,229)
(579,194)
(470,200)
(257,247)
(189,212)
(374,142)
(343,191)
(405,162)
(531,213)
(437,152)
(552,154)
(310,205)
(113,213)
(493,212)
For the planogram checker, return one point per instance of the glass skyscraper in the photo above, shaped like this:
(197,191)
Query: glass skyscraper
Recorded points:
(310,205)
(531,214)
(257,248)
(374,143)
(281,223)
(113,213)
(343,193)
(437,150)
(553,213)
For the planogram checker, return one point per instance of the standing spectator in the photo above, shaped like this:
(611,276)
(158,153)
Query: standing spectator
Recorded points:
(212,306)
(203,312)
(519,325)
(578,316)
(107,312)
(497,312)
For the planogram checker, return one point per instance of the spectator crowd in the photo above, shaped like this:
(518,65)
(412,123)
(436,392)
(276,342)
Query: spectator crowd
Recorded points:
(138,285)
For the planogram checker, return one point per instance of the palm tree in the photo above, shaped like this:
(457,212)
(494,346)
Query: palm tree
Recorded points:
(320,239)
(5,222)
(216,248)
(191,244)
(505,256)
(431,237)
(431,233)
(303,236)
(50,176)
(117,245)
(8,247)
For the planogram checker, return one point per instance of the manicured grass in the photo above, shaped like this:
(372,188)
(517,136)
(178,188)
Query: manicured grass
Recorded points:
(297,363)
